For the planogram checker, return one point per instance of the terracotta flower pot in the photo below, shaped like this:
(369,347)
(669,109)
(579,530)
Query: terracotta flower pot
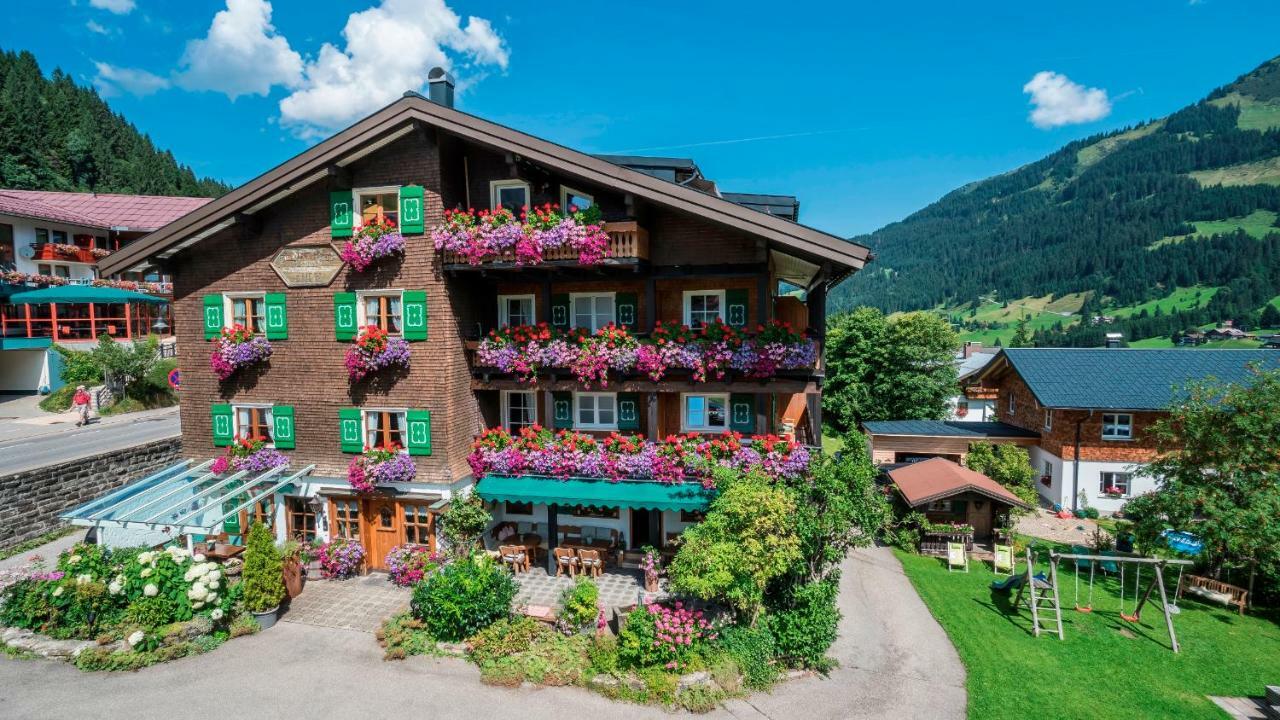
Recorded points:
(294,578)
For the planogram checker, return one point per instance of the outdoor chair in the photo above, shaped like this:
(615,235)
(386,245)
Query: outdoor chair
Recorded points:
(1002,562)
(957,557)
(516,556)
(591,562)
(565,558)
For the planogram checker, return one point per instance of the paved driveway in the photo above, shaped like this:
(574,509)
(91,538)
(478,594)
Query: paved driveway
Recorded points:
(895,663)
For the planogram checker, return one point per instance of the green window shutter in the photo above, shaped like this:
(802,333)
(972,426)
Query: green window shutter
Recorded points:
(742,412)
(562,410)
(735,310)
(344,315)
(341,213)
(411,209)
(415,314)
(212,317)
(277,316)
(222,425)
(282,427)
(625,309)
(349,431)
(628,411)
(419,432)
(560,316)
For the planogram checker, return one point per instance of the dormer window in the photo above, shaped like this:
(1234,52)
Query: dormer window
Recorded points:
(510,194)
(571,200)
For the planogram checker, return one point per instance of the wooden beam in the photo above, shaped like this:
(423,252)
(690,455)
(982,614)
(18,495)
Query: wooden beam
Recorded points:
(1121,558)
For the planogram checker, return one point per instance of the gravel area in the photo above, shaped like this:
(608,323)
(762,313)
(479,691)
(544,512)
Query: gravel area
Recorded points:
(1046,525)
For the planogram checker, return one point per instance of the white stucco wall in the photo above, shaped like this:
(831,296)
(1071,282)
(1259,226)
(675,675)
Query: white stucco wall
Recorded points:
(1090,479)
(979,410)
(21,370)
(24,236)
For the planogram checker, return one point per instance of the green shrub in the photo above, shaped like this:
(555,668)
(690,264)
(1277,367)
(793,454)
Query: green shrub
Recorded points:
(581,605)
(403,635)
(244,625)
(463,598)
(463,522)
(78,368)
(59,400)
(804,629)
(603,654)
(637,642)
(506,637)
(151,612)
(548,658)
(753,650)
(263,581)
(700,698)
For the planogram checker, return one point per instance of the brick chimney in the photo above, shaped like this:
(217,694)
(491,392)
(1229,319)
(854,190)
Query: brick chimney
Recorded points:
(971,348)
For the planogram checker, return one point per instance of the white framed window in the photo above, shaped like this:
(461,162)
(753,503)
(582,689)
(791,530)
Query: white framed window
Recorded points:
(595,411)
(592,311)
(703,307)
(62,271)
(245,308)
(1048,471)
(939,506)
(1048,419)
(704,413)
(516,310)
(572,199)
(1117,426)
(1013,405)
(384,308)
(385,427)
(510,194)
(253,420)
(378,204)
(1112,481)
(519,410)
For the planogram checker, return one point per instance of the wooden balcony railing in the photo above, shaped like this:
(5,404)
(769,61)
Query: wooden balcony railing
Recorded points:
(628,242)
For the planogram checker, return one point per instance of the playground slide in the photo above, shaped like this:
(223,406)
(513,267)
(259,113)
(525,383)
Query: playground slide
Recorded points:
(1012,582)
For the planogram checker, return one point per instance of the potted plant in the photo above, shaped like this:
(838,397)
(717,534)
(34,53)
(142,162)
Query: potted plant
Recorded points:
(650,565)
(295,558)
(374,350)
(372,242)
(263,576)
(237,348)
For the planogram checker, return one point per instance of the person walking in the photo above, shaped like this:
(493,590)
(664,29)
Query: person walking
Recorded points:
(83,404)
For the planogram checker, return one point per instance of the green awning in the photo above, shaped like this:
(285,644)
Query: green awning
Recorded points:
(597,493)
(81,294)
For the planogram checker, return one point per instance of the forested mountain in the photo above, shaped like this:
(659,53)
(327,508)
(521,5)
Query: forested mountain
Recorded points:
(56,135)
(1187,201)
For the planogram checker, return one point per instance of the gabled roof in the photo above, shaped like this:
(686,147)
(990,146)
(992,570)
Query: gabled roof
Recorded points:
(99,210)
(1122,378)
(938,478)
(947,428)
(404,114)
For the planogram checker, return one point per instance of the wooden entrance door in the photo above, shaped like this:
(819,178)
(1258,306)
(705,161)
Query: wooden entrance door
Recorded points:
(980,512)
(382,530)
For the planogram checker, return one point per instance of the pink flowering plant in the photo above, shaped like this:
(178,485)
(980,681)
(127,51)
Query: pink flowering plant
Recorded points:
(372,242)
(667,636)
(524,238)
(381,465)
(373,350)
(408,564)
(249,454)
(237,348)
(340,558)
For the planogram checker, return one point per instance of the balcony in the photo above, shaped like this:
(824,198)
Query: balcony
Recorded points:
(628,247)
(58,252)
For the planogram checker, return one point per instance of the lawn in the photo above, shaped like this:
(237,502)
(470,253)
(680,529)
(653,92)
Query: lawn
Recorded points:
(1188,298)
(1259,224)
(1106,667)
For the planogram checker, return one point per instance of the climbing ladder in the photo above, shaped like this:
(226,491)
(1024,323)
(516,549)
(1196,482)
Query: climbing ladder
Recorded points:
(1041,596)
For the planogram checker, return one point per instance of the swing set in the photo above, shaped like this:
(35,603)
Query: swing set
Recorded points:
(1140,597)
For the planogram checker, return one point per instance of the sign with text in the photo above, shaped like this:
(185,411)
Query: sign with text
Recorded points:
(307,265)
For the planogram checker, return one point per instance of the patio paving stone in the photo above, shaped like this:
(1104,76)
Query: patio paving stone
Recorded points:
(360,603)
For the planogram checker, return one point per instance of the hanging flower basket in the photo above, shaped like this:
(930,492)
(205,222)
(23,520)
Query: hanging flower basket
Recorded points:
(489,235)
(371,243)
(380,466)
(250,454)
(374,350)
(237,348)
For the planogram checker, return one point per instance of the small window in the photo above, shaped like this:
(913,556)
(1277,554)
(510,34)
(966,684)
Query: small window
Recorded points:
(249,310)
(1013,405)
(1048,419)
(42,236)
(706,413)
(1048,471)
(418,525)
(384,310)
(510,194)
(703,307)
(515,310)
(302,519)
(592,312)
(346,521)
(263,512)
(385,428)
(590,511)
(519,410)
(573,201)
(597,411)
(62,271)
(378,205)
(60,237)
(1114,483)
(519,508)
(253,421)
(1117,426)
(100,242)
(943,506)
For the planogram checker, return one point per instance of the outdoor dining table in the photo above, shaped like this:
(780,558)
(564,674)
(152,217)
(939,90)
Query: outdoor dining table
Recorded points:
(223,551)
(605,547)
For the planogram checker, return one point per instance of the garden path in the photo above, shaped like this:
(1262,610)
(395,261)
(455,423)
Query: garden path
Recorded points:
(359,603)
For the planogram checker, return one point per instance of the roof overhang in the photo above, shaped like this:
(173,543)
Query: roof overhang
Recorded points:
(958,490)
(411,111)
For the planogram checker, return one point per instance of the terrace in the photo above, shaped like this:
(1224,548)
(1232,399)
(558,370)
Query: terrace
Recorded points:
(628,247)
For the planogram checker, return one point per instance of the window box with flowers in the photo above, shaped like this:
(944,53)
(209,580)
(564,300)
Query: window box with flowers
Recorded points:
(374,349)
(526,238)
(237,348)
(372,242)
(249,455)
(380,465)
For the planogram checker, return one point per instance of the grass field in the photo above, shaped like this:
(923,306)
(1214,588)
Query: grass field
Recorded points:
(1106,667)
(1258,223)
(1254,115)
(1091,154)
(1041,313)
(1180,299)
(1263,172)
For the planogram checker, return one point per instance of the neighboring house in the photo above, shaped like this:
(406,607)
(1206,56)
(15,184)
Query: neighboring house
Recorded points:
(974,403)
(678,252)
(52,239)
(906,441)
(1227,331)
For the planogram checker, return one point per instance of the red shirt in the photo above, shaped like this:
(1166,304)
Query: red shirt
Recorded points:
(81,398)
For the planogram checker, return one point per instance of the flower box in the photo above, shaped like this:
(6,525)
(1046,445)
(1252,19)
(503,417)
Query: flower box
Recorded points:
(341,558)
(251,455)
(528,239)
(237,348)
(371,243)
(678,458)
(374,350)
(380,466)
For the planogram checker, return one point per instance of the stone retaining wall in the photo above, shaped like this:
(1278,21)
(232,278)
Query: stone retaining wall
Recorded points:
(31,500)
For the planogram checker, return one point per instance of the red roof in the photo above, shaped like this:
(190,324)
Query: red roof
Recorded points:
(939,478)
(102,210)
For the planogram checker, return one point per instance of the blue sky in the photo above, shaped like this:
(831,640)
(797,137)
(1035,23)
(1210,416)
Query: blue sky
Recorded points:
(865,110)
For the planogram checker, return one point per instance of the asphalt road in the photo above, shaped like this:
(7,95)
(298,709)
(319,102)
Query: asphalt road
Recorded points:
(23,447)
(895,662)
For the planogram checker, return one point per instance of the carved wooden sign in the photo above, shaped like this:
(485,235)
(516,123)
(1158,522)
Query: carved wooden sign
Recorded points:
(307,265)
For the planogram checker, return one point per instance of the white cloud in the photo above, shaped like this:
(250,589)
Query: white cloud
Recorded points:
(112,80)
(1059,101)
(389,49)
(119,7)
(96,28)
(241,55)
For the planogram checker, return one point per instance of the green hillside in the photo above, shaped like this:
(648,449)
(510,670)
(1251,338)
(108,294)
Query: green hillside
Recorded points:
(1162,227)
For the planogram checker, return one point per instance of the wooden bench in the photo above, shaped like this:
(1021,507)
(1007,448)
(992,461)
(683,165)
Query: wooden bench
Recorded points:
(1213,590)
